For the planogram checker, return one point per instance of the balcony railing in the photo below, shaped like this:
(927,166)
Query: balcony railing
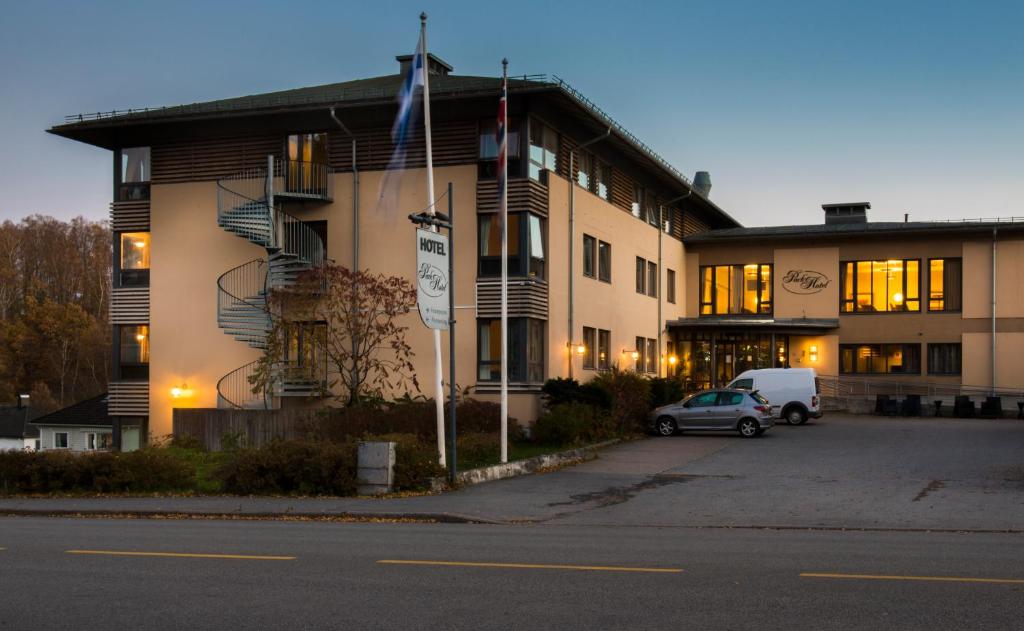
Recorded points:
(303,180)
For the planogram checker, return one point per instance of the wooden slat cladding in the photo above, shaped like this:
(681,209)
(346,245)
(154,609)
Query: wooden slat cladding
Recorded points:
(524,194)
(693,224)
(453,143)
(205,160)
(129,305)
(527,298)
(128,398)
(622,190)
(129,216)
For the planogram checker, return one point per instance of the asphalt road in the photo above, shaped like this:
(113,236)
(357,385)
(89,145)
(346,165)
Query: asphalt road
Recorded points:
(61,574)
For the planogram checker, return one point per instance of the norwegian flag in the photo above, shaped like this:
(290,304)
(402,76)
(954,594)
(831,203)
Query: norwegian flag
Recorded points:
(502,137)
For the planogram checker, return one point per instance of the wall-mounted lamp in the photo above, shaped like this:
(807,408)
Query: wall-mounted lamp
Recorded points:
(178,392)
(672,360)
(814,353)
(581,349)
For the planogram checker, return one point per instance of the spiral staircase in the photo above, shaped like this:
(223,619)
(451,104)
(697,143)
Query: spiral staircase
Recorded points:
(249,205)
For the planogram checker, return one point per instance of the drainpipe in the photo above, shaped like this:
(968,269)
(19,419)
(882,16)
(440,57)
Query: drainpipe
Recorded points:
(993,385)
(661,267)
(355,195)
(572,238)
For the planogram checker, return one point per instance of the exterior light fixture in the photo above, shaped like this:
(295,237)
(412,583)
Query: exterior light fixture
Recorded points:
(178,392)
(814,353)
(581,349)
(673,360)
(635,355)
(141,337)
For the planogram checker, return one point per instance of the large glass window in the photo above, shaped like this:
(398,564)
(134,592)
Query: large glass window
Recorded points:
(880,286)
(307,153)
(902,359)
(133,352)
(134,174)
(134,260)
(944,359)
(529,241)
(945,284)
(489,139)
(736,289)
(525,350)
(543,149)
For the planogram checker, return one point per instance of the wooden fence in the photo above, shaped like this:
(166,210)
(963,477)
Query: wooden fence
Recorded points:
(249,428)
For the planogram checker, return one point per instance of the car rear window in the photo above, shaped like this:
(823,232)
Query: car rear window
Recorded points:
(743,384)
(757,397)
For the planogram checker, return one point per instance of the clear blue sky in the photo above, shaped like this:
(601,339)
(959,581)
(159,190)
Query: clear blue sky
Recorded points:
(914,106)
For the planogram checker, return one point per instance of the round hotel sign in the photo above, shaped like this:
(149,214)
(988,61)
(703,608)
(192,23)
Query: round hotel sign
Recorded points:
(804,281)
(432,278)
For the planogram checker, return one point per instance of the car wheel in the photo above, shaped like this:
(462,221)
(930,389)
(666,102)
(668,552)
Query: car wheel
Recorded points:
(748,428)
(665,426)
(795,415)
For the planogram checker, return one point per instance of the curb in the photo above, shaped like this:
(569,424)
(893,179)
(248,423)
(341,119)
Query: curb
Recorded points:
(438,518)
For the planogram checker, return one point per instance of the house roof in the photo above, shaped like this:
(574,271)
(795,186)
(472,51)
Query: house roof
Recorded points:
(90,412)
(842,230)
(14,422)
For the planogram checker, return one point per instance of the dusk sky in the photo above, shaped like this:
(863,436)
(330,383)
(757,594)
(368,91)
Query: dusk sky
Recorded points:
(917,107)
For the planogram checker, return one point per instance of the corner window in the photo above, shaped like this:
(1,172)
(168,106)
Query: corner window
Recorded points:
(945,285)
(133,352)
(543,149)
(736,289)
(589,256)
(944,359)
(133,174)
(529,241)
(60,440)
(886,286)
(880,359)
(604,349)
(525,350)
(134,259)
(488,144)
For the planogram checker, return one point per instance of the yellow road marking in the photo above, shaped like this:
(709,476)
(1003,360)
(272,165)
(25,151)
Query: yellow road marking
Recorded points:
(938,579)
(535,566)
(188,555)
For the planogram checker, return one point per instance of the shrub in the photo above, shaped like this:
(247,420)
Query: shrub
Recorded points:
(477,449)
(558,390)
(291,467)
(630,396)
(144,471)
(665,391)
(573,424)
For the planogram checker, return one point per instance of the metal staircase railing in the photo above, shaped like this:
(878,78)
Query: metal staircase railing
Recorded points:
(246,207)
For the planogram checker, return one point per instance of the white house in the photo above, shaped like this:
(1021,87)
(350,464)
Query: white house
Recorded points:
(84,426)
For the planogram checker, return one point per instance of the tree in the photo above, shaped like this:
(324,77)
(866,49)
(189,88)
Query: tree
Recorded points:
(354,320)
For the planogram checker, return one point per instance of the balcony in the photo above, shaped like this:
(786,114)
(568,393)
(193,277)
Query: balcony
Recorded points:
(303,181)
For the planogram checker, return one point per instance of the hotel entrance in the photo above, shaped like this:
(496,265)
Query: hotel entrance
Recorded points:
(709,356)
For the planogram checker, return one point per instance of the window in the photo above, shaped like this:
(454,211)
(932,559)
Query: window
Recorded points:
(944,359)
(945,285)
(638,200)
(585,169)
(904,359)
(652,211)
(746,383)
(134,260)
(525,350)
(133,174)
(589,346)
(133,351)
(489,139)
(602,180)
(60,440)
(652,279)
(670,288)
(530,241)
(730,398)
(736,289)
(306,153)
(543,149)
(641,276)
(640,346)
(651,356)
(880,286)
(98,440)
(604,261)
(604,349)
(535,246)
(589,254)
(704,400)
(668,220)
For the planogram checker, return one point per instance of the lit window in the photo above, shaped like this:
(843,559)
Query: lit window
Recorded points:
(944,284)
(736,289)
(902,359)
(133,351)
(880,286)
(134,260)
(604,349)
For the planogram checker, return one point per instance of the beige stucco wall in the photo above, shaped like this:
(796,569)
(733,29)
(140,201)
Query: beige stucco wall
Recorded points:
(820,304)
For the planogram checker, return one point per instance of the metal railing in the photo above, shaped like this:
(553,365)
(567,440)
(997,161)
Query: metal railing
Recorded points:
(237,390)
(242,288)
(849,386)
(242,206)
(294,236)
(312,180)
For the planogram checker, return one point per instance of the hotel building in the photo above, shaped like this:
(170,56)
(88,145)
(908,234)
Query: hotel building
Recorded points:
(616,258)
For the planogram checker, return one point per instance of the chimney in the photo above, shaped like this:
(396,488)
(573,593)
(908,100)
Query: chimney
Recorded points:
(850,212)
(435,65)
(702,183)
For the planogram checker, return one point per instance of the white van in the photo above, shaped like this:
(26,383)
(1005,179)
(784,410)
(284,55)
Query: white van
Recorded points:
(792,392)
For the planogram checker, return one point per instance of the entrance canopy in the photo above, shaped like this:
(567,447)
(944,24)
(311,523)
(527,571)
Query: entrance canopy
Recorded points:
(753,324)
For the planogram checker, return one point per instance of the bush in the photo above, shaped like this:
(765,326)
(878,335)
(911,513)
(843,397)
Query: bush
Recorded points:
(558,390)
(630,396)
(291,467)
(144,471)
(665,391)
(573,424)
(477,449)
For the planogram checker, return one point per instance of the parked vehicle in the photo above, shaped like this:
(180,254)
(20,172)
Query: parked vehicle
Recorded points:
(739,410)
(793,392)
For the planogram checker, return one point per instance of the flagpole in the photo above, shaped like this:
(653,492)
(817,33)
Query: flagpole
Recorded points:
(438,368)
(503,210)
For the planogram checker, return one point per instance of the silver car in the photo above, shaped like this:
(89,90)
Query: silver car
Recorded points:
(742,411)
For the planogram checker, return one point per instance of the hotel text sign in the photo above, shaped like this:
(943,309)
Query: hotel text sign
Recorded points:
(804,281)
(432,278)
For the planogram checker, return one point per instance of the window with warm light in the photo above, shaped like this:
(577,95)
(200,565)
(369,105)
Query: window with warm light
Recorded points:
(604,349)
(736,289)
(887,286)
(589,346)
(133,352)
(133,268)
(945,284)
(880,359)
